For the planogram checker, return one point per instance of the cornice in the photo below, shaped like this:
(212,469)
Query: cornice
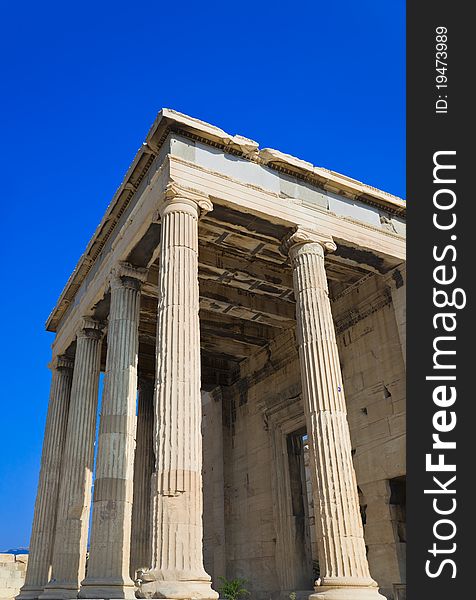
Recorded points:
(319,177)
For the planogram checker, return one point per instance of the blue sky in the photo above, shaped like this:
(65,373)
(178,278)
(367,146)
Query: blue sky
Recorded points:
(82,82)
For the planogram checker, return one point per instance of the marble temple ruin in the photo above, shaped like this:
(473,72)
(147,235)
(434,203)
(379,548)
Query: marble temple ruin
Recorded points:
(228,299)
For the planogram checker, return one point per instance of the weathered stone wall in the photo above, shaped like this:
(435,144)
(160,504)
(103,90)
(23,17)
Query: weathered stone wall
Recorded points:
(254,409)
(249,525)
(262,539)
(374,381)
(12,574)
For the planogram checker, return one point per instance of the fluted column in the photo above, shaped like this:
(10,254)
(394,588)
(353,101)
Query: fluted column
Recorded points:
(69,555)
(339,532)
(177,531)
(109,552)
(143,469)
(44,520)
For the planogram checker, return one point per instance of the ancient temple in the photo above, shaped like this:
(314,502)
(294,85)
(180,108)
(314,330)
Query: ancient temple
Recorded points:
(243,314)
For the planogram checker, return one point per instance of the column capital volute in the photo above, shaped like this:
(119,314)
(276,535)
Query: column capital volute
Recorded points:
(123,274)
(64,362)
(307,239)
(178,198)
(91,328)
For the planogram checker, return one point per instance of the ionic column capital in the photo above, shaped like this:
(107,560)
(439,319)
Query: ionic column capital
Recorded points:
(64,362)
(181,199)
(91,328)
(125,275)
(303,240)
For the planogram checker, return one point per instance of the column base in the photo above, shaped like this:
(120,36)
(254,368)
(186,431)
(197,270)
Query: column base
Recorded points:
(29,593)
(100,589)
(329,592)
(193,589)
(59,593)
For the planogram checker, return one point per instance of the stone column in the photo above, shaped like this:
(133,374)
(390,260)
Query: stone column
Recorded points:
(69,555)
(143,468)
(177,557)
(339,532)
(44,520)
(109,552)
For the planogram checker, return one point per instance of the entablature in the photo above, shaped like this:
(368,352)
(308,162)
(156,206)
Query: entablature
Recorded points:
(243,275)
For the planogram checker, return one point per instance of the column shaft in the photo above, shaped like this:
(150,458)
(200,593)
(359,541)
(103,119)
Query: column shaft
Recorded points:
(339,531)
(69,555)
(109,554)
(143,469)
(44,520)
(177,531)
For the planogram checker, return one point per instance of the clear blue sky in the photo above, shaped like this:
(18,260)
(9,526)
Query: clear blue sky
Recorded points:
(82,82)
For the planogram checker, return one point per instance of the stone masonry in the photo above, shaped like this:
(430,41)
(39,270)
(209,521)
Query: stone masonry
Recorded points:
(12,574)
